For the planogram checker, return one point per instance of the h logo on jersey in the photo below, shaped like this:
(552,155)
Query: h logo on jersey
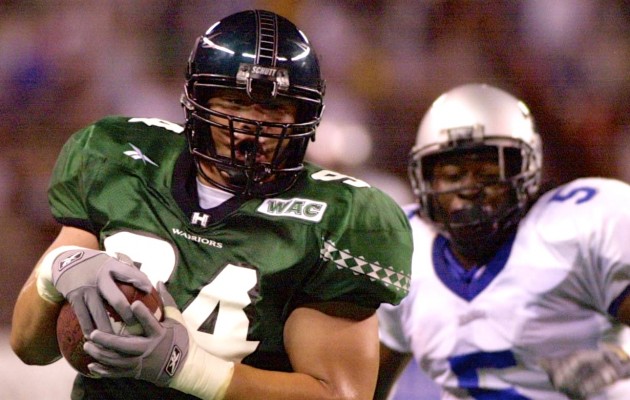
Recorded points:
(200,219)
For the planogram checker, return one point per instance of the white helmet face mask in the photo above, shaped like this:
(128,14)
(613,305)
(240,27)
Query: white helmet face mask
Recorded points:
(469,119)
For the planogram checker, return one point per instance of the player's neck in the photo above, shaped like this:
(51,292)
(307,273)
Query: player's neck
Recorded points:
(471,261)
(210,196)
(466,262)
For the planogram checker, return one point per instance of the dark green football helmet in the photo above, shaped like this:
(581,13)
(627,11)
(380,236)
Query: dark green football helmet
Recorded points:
(266,56)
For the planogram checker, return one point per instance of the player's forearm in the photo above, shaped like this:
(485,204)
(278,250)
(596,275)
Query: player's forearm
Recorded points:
(207,377)
(392,364)
(33,328)
(251,383)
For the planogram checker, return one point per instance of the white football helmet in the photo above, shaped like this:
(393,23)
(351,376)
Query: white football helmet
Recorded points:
(471,118)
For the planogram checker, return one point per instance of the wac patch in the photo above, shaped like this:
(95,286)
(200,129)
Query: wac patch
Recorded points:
(308,210)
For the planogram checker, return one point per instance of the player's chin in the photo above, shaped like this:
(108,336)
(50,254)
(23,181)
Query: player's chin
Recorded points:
(473,232)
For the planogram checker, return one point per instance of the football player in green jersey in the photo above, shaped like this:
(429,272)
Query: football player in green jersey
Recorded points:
(273,267)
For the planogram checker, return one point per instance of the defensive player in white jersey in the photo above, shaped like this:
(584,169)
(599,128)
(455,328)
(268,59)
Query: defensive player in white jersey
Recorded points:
(516,293)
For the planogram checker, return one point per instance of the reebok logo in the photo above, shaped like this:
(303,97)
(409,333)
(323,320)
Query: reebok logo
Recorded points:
(173,361)
(137,154)
(305,209)
(69,260)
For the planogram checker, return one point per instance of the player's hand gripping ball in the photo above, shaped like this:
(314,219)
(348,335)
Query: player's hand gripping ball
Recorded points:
(71,339)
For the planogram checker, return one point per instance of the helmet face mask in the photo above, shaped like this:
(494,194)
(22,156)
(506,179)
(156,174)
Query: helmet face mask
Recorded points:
(477,121)
(264,57)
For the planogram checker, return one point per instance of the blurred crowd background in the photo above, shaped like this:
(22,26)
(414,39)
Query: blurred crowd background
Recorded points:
(66,63)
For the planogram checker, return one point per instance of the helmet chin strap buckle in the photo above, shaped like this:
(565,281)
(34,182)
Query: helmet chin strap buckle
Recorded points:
(258,174)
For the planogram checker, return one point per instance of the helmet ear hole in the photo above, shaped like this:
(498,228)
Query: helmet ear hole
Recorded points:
(202,94)
(513,161)
(428,166)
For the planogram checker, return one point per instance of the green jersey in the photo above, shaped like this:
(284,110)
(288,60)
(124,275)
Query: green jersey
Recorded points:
(236,270)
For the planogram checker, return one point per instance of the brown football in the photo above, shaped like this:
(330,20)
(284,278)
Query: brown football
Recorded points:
(71,339)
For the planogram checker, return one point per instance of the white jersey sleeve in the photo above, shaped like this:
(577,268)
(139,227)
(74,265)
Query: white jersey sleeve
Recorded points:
(588,220)
(393,332)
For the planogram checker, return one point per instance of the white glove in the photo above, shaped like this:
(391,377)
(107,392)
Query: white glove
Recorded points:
(586,372)
(85,278)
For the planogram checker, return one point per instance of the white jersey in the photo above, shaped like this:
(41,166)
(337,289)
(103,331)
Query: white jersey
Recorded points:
(549,291)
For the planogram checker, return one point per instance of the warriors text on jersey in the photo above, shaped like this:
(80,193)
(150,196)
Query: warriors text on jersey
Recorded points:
(549,291)
(237,270)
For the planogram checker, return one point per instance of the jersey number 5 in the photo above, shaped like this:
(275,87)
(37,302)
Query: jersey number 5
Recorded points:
(583,194)
(466,367)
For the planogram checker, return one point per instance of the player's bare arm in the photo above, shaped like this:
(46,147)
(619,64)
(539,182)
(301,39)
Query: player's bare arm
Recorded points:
(82,276)
(392,365)
(623,314)
(332,348)
(33,335)
(333,357)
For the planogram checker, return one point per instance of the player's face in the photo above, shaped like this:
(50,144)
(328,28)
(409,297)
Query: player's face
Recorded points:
(238,104)
(468,188)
